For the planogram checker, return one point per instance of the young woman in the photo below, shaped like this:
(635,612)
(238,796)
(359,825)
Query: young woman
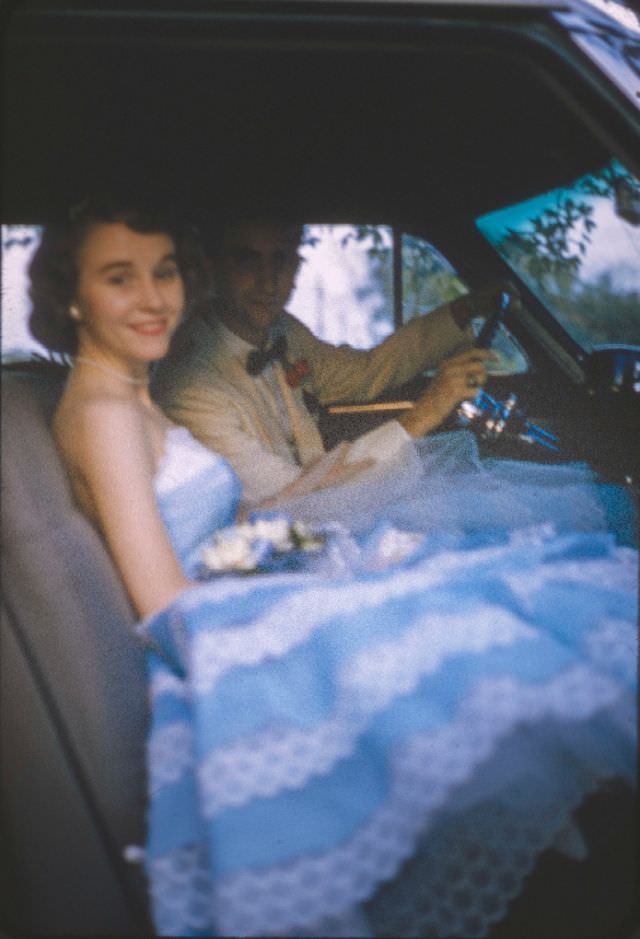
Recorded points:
(398,740)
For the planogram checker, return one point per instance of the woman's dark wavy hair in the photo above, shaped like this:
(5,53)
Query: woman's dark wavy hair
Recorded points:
(53,271)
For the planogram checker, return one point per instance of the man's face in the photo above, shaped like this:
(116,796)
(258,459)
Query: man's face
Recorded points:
(255,274)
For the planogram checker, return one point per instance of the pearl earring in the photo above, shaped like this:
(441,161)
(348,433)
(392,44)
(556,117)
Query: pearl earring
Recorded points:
(74,312)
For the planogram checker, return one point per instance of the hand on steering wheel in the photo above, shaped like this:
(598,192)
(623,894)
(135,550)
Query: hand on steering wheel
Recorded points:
(456,378)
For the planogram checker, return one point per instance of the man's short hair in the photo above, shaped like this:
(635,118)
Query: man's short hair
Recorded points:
(212,234)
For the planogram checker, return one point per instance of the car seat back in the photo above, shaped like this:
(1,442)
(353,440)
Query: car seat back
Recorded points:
(72,694)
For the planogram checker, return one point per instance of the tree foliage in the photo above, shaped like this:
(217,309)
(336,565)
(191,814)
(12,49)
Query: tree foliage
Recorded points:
(554,243)
(549,252)
(427,278)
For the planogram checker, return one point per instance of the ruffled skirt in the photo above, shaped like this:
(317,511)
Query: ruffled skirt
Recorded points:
(389,742)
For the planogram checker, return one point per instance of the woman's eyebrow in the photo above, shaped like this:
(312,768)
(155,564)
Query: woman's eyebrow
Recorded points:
(111,265)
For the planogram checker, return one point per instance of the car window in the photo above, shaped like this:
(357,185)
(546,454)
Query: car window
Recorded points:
(615,51)
(428,279)
(350,289)
(347,290)
(344,288)
(18,244)
(578,249)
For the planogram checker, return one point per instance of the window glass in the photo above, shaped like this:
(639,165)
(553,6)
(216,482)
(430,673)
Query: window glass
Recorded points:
(618,59)
(18,244)
(578,249)
(344,288)
(428,279)
(615,51)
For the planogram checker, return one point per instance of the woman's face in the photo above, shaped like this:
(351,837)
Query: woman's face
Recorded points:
(130,293)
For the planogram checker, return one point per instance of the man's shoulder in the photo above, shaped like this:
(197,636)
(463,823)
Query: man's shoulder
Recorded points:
(197,357)
(291,323)
(196,335)
(195,345)
(299,336)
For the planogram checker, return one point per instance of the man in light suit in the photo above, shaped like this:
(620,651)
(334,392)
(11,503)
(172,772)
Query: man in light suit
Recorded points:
(237,373)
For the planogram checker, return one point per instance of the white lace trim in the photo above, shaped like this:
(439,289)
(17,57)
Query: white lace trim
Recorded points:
(394,667)
(183,903)
(169,754)
(215,652)
(166,682)
(272,760)
(181,892)
(298,895)
(466,870)
(423,776)
(314,600)
(614,646)
(617,571)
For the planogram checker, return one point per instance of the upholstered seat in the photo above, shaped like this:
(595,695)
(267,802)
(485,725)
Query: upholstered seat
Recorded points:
(72,695)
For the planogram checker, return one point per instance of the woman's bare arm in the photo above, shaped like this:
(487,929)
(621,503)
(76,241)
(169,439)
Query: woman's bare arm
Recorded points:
(114,455)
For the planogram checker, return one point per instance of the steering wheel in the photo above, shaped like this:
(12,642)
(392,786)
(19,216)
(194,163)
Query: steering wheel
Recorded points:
(492,419)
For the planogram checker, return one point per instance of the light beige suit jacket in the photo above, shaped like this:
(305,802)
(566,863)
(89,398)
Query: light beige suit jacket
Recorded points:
(262,426)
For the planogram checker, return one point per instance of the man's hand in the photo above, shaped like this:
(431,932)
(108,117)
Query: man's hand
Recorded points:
(330,469)
(456,379)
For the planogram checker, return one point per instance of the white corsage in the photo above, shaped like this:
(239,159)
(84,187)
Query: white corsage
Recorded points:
(264,543)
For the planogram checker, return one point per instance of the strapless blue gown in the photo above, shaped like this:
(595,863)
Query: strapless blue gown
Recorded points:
(385,742)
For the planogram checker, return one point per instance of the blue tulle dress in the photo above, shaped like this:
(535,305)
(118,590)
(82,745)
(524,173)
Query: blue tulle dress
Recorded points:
(385,742)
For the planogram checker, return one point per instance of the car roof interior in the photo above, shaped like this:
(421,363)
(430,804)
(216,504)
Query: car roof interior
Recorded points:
(372,119)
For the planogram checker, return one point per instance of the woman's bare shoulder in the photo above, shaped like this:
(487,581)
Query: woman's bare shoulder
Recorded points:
(98,421)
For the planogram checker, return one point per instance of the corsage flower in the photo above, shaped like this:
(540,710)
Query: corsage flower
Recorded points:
(265,542)
(297,372)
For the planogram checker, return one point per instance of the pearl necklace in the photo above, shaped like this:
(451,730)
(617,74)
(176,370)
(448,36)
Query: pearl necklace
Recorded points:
(112,371)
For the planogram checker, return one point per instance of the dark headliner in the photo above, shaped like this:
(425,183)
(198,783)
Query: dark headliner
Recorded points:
(390,120)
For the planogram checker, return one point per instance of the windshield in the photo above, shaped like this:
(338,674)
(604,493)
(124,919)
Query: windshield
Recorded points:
(613,46)
(578,249)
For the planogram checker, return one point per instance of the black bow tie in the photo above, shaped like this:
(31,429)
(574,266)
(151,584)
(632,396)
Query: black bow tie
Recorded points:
(258,359)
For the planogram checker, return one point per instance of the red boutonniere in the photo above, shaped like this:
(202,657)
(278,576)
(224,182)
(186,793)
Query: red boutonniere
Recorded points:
(297,372)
